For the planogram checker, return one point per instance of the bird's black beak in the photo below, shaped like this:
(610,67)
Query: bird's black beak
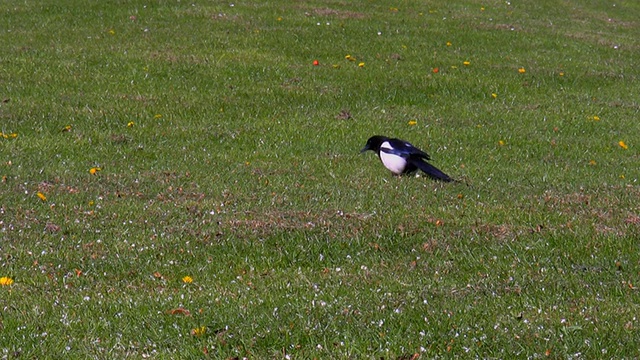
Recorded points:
(364,149)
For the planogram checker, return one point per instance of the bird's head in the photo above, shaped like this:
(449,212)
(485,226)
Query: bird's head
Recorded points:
(374,143)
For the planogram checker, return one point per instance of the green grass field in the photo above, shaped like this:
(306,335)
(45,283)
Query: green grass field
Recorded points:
(179,180)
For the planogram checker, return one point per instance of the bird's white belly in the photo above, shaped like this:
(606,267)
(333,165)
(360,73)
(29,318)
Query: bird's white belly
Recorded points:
(392,162)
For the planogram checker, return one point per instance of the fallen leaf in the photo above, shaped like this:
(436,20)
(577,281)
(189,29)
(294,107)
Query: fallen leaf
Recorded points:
(51,227)
(179,311)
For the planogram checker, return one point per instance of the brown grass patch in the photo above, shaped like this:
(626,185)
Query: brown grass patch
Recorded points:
(499,232)
(633,219)
(594,38)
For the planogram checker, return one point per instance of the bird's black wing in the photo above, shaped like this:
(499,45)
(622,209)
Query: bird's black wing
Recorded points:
(405,149)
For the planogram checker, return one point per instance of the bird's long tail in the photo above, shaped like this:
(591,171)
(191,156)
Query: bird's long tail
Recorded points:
(432,171)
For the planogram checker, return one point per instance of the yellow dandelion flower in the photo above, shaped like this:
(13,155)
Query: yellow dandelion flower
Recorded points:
(494,95)
(9,136)
(622,145)
(448,43)
(187,279)
(622,176)
(112,32)
(361,64)
(279,19)
(6,281)
(482,9)
(41,196)
(412,122)
(466,63)
(157,116)
(592,162)
(350,58)
(199,331)
(522,70)
(596,118)
(561,73)
(501,142)
(66,128)
(130,124)
(94,170)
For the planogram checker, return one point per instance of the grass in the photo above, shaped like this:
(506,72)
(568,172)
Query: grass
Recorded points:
(226,156)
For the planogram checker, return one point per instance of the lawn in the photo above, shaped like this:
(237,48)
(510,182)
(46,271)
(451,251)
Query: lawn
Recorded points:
(182,179)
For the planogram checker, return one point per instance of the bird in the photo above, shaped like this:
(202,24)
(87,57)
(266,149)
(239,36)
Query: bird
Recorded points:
(402,158)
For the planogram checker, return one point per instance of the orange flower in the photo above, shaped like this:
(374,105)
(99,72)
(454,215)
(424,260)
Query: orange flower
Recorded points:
(41,196)
(435,70)
(187,279)
(316,63)
(6,281)
(622,145)
(522,70)
(94,170)
(466,63)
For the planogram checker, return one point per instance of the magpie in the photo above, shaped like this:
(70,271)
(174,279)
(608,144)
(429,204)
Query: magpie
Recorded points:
(402,158)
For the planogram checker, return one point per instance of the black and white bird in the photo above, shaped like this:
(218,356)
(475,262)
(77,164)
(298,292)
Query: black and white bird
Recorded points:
(402,158)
